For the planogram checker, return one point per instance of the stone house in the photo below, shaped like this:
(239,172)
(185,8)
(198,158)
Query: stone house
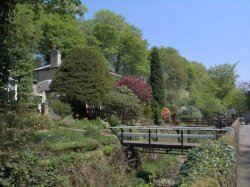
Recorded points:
(45,74)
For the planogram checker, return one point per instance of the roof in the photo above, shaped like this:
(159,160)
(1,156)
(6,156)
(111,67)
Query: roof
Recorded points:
(43,86)
(46,67)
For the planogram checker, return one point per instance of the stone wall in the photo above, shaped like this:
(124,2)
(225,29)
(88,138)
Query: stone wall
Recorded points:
(233,136)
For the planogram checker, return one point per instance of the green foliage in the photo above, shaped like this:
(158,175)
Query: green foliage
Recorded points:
(7,13)
(109,149)
(82,77)
(18,163)
(224,77)
(157,83)
(158,167)
(59,31)
(64,140)
(201,88)
(212,162)
(156,113)
(114,120)
(175,68)
(61,108)
(156,78)
(41,122)
(15,131)
(23,42)
(83,124)
(125,107)
(120,42)
(87,145)
(26,170)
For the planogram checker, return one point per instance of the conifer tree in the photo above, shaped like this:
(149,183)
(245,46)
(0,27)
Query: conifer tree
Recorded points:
(157,83)
(82,78)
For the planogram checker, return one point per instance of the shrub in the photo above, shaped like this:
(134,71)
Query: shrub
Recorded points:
(26,170)
(114,120)
(125,107)
(211,163)
(83,78)
(61,108)
(68,121)
(41,122)
(19,165)
(138,86)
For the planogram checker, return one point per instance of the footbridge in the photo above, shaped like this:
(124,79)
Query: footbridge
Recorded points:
(162,139)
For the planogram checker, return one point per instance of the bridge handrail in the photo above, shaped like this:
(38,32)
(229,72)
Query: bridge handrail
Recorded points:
(160,135)
(172,128)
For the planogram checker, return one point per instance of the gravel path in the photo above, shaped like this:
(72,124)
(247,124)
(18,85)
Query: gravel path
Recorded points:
(244,157)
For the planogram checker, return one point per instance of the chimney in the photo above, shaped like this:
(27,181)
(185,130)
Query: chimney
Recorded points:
(55,58)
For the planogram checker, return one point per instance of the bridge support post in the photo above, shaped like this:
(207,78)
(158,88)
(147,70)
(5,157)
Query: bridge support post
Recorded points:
(188,132)
(122,136)
(149,140)
(156,139)
(130,130)
(182,142)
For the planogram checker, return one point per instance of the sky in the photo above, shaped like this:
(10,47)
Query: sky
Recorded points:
(209,31)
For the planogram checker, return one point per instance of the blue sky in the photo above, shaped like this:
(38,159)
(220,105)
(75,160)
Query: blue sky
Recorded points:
(208,31)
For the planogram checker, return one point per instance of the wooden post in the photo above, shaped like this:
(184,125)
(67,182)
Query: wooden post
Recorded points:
(182,141)
(188,132)
(156,131)
(122,136)
(149,139)
(130,137)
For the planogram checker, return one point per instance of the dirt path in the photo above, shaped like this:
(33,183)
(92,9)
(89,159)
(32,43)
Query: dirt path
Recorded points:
(244,157)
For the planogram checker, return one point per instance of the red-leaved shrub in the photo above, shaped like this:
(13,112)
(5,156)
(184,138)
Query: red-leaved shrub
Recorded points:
(138,86)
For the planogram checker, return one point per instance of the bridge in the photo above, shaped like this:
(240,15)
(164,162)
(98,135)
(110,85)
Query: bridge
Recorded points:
(162,139)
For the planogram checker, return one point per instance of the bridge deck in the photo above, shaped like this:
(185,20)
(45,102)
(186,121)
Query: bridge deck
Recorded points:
(165,145)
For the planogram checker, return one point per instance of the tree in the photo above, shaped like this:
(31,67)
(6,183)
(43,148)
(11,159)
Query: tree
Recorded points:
(201,88)
(157,83)
(74,6)
(138,86)
(224,77)
(243,100)
(175,68)
(6,26)
(175,72)
(23,42)
(120,42)
(83,77)
(61,31)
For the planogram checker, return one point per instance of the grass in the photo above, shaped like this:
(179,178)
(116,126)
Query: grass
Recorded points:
(88,145)
(66,140)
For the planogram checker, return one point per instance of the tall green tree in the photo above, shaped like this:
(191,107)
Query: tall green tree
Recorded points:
(175,71)
(201,88)
(225,78)
(157,83)
(83,77)
(24,41)
(60,31)
(120,42)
